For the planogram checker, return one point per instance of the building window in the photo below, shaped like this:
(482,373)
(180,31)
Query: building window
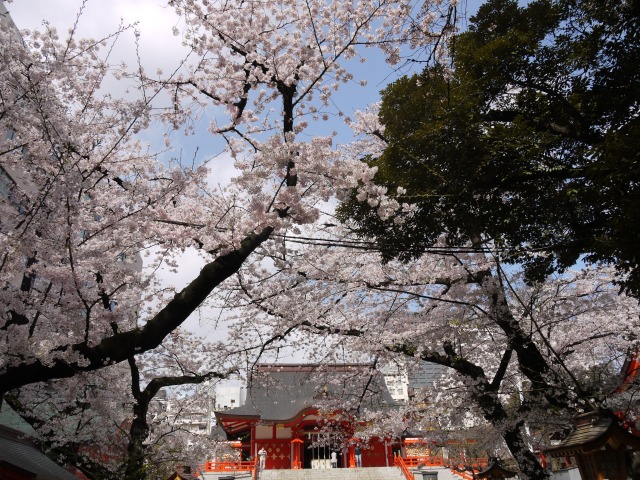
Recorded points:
(6,183)
(9,190)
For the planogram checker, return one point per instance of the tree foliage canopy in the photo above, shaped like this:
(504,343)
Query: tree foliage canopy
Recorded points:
(504,147)
(528,140)
(89,215)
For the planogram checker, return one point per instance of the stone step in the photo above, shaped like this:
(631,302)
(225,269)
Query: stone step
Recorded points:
(372,473)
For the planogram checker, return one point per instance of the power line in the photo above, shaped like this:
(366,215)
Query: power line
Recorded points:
(372,246)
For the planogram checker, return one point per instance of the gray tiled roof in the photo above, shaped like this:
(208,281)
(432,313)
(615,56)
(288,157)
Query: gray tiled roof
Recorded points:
(587,433)
(279,394)
(10,418)
(591,431)
(18,450)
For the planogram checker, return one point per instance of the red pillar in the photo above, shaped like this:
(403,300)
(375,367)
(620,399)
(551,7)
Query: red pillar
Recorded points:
(296,462)
(352,457)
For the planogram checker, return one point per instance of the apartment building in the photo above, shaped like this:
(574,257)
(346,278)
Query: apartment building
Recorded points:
(403,381)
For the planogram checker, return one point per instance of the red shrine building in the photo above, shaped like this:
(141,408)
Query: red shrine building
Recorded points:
(301,414)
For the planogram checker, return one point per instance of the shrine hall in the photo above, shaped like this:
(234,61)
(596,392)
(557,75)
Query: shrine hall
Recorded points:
(301,414)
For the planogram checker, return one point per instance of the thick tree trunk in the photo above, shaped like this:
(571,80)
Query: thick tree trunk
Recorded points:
(486,398)
(531,362)
(135,464)
(528,464)
(134,467)
(120,346)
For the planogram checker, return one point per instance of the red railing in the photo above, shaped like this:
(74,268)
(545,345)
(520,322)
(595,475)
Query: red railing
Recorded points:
(426,461)
(456,467)
(254,473)
(437,461)
(403,463)
(465,475)
(399,462)
(229,466)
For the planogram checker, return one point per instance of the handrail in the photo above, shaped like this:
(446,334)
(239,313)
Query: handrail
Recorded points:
(426,461)
(466,471)
(465,475)
(399,462)
(439,461)
(227,466)
(254,472)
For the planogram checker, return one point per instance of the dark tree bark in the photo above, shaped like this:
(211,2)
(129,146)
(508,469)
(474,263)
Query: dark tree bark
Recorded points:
(135,464)
(120,346)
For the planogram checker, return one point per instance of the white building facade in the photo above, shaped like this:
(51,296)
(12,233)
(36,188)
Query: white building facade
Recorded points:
(403,380)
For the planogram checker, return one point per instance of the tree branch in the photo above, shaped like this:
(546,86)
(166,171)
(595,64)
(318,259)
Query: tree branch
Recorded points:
(120,346)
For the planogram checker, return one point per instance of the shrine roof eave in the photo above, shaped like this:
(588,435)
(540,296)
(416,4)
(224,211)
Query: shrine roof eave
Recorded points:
(589,438)
(287,422)
(295,419)
(222,416)
(496,471)
(300,417)
(234,424)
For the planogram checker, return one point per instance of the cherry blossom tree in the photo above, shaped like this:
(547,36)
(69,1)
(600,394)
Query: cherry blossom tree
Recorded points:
(93,198)
(111,423)
(521,358)
(85,203)
(80,422)
(91,203)
(182,360)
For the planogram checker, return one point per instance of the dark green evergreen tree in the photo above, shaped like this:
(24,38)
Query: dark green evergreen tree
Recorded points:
(529,140)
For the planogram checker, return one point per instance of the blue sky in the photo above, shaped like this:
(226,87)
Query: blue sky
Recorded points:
(159,48)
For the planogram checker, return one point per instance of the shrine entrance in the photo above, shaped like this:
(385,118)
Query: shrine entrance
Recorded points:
(281,415)
(317,451)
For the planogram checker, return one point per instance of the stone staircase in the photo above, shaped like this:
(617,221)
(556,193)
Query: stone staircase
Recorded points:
(372,473)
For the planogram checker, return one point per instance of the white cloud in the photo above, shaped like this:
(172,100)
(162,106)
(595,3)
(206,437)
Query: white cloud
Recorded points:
(158,46)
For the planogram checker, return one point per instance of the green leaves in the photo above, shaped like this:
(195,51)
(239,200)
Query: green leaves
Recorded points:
(530,141)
